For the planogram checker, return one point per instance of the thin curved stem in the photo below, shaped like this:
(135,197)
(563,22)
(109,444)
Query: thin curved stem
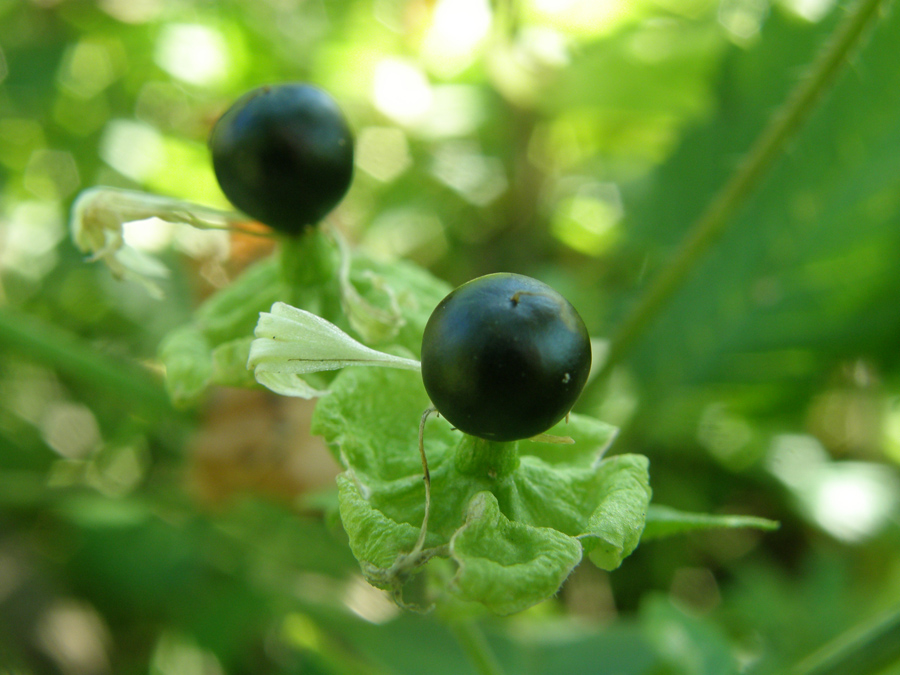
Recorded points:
(783,127)
(864,651)
(420,542)
(476,647)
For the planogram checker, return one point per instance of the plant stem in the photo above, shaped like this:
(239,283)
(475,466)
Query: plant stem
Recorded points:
(308,260)
(476,647)
(783,126)
(66,353)
(420,542)
(480,457)
(863,651)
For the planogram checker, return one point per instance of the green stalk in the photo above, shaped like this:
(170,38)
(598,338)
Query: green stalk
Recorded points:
(476,647)
(863,651)
(480,457)
(66,353)
(308,261)
(771,143)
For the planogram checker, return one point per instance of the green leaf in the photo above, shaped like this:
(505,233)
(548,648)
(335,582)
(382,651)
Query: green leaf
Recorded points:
(664,521)
(230,363)
(187,357)
(809,258)
(607,70)
(400,285)
(371,419)
(618,520)
(373,323)
(505,565)
(590,439)
(192,364)
(374,538)
(213,348)
(232,312)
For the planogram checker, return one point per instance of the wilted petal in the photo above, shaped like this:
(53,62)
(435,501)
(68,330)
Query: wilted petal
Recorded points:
(291,340)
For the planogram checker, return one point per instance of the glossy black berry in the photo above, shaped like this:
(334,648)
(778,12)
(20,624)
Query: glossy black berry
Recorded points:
(504,357)
(283,154)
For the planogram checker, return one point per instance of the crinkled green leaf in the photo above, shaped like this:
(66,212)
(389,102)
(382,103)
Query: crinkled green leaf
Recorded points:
(664,521)
(603,505)
(618,520)
(590,437)
(506,565)
(371,421)
(374,538)
(373,323)
(230,363)
(232,312)
(400,285)
(187,357)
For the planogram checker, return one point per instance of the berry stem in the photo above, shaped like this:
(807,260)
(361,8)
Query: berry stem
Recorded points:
(308,262)
(770,144)
(479,457)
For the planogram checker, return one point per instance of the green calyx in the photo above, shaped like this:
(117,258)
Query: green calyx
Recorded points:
(514,518)
(314,271)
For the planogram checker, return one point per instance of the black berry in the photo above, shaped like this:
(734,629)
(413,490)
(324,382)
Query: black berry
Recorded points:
(504,357)
(283,154)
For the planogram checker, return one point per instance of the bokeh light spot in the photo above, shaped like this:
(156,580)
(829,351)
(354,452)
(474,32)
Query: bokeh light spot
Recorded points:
(457,29)
(133,149)
(382,152)
(193,53)
(401,91)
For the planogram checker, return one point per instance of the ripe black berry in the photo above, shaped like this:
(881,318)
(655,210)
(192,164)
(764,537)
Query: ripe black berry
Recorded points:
(504,357)
(283,155)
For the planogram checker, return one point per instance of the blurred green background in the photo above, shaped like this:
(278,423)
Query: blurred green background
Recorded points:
(572,140)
